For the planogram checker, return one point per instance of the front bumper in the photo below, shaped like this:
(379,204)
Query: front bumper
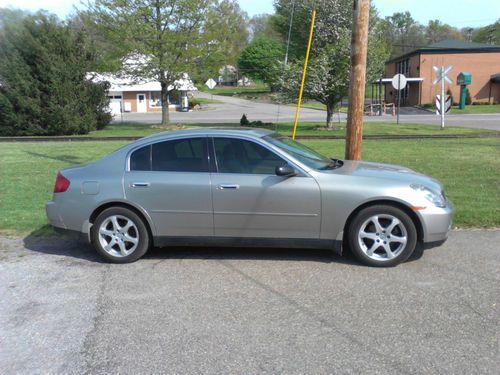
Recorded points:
(437,223)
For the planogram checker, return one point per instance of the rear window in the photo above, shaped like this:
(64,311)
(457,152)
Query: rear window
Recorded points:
(182,155)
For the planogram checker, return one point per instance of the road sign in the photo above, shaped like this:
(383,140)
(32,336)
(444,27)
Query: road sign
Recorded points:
(399,81)
(441,76)
(447,104)
(210,83)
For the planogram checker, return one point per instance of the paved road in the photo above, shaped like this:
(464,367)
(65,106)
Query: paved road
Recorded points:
(233,108)
(220,311)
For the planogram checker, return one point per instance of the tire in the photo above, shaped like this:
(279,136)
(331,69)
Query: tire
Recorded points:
(382,236)
(119,235)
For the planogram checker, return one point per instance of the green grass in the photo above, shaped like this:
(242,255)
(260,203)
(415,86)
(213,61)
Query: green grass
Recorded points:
(257,88)
(203,101)
(469,169)
(304,128)
(318,106)
(471,109)
(28,172)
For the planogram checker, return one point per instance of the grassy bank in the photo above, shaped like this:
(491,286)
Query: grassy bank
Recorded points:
(469,169)
(476,109)
(305,128)
(258,88)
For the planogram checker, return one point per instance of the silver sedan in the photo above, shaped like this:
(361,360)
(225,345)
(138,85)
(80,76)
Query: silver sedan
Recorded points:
(247,187)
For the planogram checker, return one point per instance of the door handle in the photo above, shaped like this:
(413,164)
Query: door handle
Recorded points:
(228,186)
(140,184)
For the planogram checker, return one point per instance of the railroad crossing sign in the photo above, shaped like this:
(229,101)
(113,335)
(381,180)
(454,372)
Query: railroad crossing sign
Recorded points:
(210,83)
(441,76)
(447,104)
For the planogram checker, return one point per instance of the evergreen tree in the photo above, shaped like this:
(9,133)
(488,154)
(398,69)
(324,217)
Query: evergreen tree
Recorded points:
(43,84)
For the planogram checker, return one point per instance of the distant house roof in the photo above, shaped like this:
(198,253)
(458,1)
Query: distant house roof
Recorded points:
(127,83)
(450,46)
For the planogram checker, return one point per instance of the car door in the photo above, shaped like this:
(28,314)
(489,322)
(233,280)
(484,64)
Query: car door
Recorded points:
(171,181)
(250,200)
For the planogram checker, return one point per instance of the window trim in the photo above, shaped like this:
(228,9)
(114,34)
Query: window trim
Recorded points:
(150,144)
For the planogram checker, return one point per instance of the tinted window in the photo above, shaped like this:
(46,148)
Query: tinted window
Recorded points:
(183,155)
(240,156)
(140,160)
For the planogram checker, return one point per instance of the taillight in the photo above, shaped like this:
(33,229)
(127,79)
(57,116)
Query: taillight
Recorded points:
(62,183)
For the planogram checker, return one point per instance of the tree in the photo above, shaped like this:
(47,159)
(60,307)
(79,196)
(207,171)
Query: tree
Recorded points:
(488,34)
(169,37)
(43,84)
(260,25)
(403,33)
(258,59)
(333,17)
(227,35)
(327,78)
(436,31)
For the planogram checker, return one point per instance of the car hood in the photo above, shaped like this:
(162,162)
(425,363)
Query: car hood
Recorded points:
(386,171)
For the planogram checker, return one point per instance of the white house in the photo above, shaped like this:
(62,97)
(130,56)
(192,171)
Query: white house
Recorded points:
(128,95)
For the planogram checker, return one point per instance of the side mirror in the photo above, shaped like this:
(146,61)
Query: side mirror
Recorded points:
(285,170)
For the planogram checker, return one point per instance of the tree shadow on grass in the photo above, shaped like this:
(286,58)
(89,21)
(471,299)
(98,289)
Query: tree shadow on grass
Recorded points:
(64,158)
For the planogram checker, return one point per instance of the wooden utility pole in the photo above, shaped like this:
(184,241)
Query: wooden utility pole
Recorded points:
(359,47)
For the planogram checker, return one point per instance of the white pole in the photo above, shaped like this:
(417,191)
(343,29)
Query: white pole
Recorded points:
(443,99)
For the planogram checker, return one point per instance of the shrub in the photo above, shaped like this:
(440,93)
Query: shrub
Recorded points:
(43,84)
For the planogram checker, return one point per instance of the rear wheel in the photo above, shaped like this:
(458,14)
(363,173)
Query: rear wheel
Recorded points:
(119,235)
(382,236)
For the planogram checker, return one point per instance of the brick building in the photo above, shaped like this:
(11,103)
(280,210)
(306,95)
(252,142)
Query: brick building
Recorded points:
(482,61)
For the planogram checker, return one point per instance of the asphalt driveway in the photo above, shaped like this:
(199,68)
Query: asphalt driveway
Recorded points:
(219,311)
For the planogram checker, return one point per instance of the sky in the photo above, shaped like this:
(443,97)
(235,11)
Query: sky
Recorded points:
(458,13)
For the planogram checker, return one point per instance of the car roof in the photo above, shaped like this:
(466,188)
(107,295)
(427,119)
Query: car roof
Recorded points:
(209,131)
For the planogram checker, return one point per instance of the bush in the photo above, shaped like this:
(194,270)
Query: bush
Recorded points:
(44,89)
(244,121)
(254,124)
(451,96)
(468,100)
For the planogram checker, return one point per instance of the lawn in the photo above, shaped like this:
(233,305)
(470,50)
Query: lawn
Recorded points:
(471,109)
(257,88)
(304,128)
(318,106)
(469,169)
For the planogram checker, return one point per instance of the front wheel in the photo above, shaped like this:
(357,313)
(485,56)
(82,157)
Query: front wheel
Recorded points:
(119,235)
(382,236)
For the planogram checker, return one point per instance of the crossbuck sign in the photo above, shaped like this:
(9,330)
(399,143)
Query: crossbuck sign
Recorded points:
(441,76)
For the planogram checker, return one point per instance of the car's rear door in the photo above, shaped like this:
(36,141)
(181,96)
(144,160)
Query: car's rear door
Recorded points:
(250,200)
(171,181)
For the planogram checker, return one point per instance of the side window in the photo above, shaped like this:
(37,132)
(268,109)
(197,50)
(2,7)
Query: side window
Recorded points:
(140,160)
(240,156)
(182,155)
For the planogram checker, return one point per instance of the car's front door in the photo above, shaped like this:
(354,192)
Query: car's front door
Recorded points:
(250,200)
(171,181)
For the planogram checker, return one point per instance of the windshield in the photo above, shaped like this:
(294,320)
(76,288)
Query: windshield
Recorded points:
(300,152)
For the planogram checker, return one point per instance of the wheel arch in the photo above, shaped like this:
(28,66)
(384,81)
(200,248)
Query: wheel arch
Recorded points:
(406,209)
(138,211)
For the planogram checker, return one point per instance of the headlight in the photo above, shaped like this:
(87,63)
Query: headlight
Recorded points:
(437,199)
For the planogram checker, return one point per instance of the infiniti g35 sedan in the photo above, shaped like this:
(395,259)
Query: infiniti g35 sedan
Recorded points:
(247,187)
